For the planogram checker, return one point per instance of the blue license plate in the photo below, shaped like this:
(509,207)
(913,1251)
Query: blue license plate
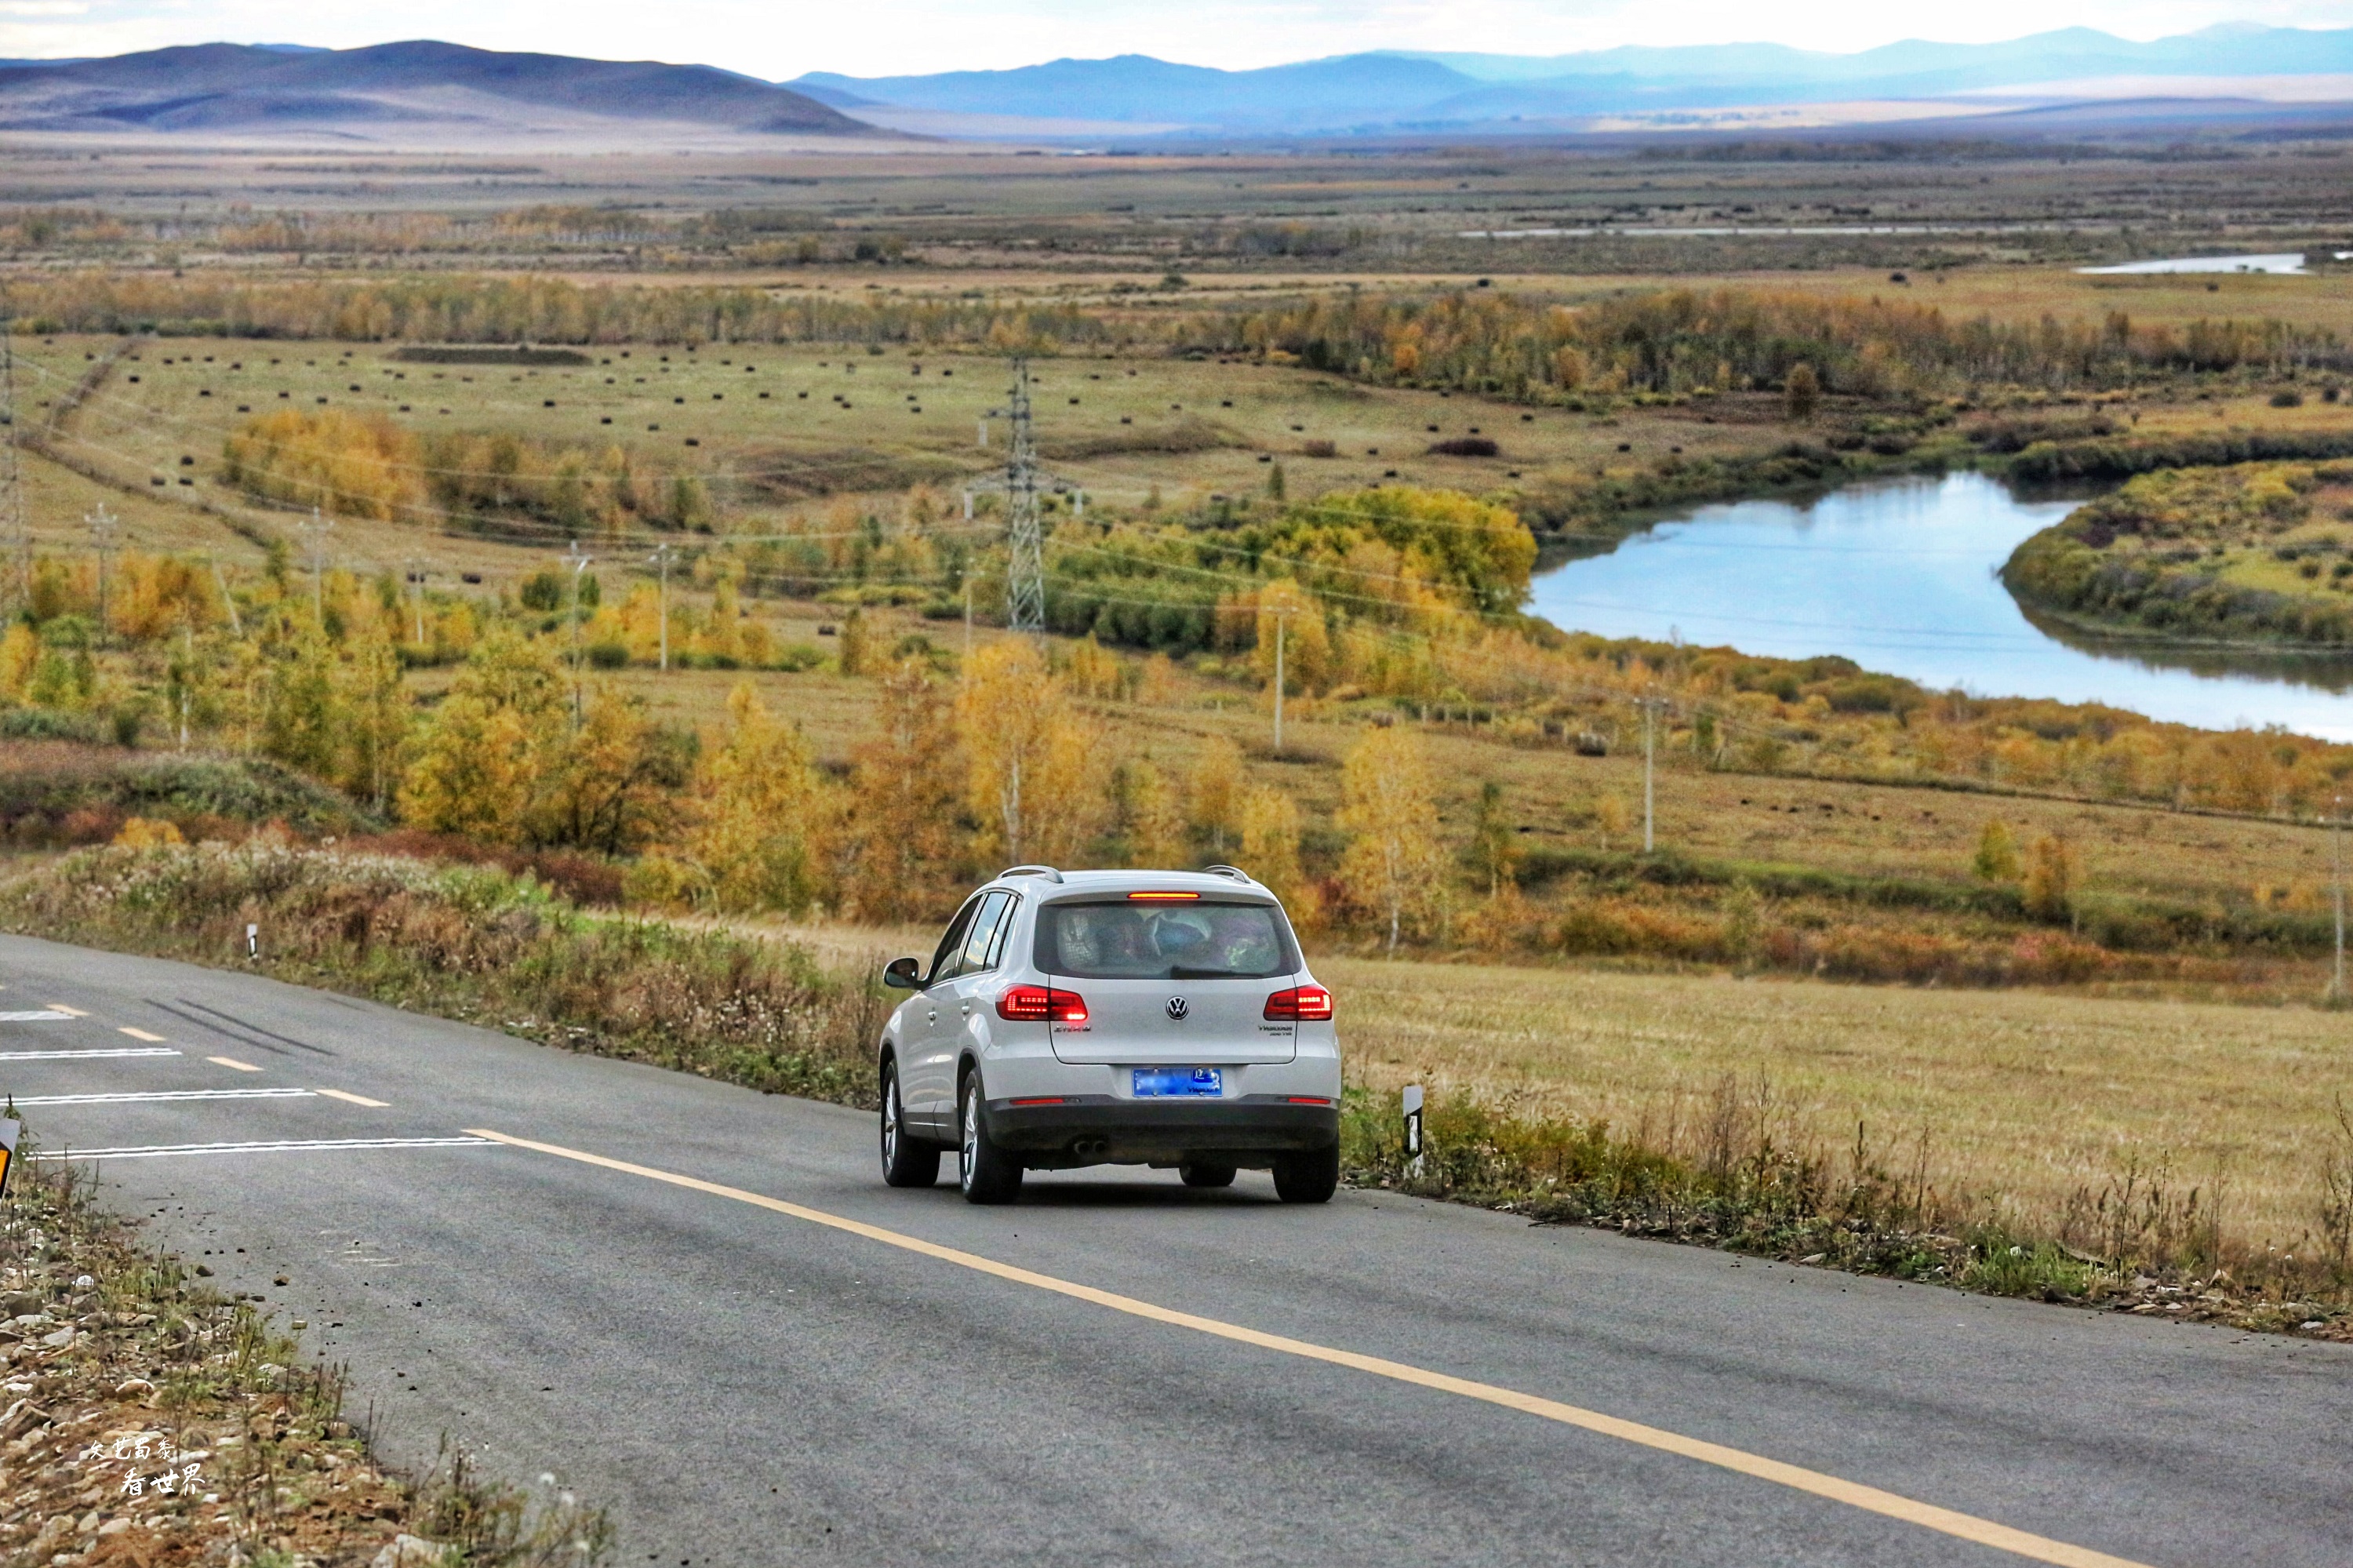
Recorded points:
(1155,1081)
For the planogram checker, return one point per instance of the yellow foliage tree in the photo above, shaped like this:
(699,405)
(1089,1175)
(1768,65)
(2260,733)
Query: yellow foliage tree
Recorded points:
(1156,820)
(1392,867)
(902,830)
(351,464)
(1214,788)
(2054,879)
(767,813)
(483,753)
(1267,821)
(1306,640)
(1034,763)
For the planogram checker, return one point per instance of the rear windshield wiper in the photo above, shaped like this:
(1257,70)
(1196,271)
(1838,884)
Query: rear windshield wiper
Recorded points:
(1179,971)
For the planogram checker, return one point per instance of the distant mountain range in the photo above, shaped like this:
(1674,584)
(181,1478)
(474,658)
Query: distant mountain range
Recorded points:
(1368,92)
(423,87)
(2236,78)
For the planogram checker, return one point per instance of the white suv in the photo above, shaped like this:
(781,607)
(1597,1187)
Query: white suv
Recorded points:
(1112,1017)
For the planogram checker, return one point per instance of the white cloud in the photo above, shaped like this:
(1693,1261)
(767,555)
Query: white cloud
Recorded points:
(888,37)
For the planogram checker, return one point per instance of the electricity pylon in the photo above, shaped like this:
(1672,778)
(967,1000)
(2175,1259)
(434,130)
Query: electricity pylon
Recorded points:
(1025,566)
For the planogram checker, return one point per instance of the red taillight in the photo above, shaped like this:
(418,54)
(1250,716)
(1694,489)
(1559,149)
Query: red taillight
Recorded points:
(1161,897)
(1038,1003)
(1305,1004)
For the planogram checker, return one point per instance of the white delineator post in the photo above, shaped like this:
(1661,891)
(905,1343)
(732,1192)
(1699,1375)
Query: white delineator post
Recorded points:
(1413,1129)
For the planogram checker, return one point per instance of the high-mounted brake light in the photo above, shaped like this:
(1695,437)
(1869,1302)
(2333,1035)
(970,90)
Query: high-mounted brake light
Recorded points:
(1040,1003)
(1305,1004)
(1161,898)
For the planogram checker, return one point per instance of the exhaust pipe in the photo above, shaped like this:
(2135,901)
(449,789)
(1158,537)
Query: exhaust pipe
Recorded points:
(1094,1150)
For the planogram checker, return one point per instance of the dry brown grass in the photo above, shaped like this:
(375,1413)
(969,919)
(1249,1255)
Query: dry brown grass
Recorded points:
(2028,1098)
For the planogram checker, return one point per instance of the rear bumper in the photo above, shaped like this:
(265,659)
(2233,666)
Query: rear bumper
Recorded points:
(1095,1130)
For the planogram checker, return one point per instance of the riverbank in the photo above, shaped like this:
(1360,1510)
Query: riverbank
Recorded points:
(2252,552)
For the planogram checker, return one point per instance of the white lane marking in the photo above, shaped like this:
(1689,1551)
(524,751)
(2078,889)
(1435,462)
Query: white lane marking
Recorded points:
(45,1015)
(160,1150)
(80,1056)
(69,1011)
(139,1034)
(233,1062)
(346,1096)
(126,1099)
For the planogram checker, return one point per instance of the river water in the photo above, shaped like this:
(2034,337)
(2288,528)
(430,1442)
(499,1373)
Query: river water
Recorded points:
(1899,575)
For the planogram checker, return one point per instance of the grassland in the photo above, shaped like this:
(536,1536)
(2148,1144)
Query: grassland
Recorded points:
(2231,1101)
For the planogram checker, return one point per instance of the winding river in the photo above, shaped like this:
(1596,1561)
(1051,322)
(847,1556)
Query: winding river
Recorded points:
(1899,575)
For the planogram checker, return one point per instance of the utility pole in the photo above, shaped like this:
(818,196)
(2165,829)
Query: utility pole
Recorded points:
(579,564)
(101,532)
(1282,622)
(416,593)
(14,522)
(2336,856)
(316,531)
(1651,706)
(661,563)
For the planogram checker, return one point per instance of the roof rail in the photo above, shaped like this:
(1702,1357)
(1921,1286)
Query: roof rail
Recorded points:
(1236,873)
(1048,872)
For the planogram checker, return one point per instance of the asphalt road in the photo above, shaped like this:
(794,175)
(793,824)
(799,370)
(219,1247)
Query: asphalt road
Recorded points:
(744,1384)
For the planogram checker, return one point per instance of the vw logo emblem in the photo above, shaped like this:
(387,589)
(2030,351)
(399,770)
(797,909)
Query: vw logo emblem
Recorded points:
(1178,1007)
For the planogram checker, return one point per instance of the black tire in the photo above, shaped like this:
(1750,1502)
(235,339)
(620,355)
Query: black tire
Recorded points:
(1308,1178)
(1205,1173)
(985,1172)
(907,1162)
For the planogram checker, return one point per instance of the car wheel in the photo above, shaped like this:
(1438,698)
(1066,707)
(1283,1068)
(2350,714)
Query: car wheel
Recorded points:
(907,1162)
(1205,1173)
(986,1173)
(1308,1178)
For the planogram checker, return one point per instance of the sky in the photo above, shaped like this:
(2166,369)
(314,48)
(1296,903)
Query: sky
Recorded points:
(760,37)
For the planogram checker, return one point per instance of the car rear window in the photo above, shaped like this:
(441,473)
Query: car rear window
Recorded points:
(1163,941)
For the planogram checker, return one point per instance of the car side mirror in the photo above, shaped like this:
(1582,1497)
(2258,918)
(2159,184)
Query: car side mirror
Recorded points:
(903,974)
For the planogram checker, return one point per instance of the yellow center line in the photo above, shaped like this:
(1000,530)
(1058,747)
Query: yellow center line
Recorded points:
(140,1034)
(354,1100)
(69,1011)
(233,1063)
(1872,1499)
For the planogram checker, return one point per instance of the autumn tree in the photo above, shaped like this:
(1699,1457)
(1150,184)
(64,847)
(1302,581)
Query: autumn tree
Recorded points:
(478,768)
(1802,392)
(767,813)
(1213,791)
(610,784)
(1306,642)
(2054,879)
(375,712)
(1267,822)
(906,802)
(1997,857)
(1034,762)
(1392,866)
(1154,817)
(1495,851)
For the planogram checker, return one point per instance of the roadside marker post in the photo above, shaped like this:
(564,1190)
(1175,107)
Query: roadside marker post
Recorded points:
(11,1129)
(1413,1129)
(252,941)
